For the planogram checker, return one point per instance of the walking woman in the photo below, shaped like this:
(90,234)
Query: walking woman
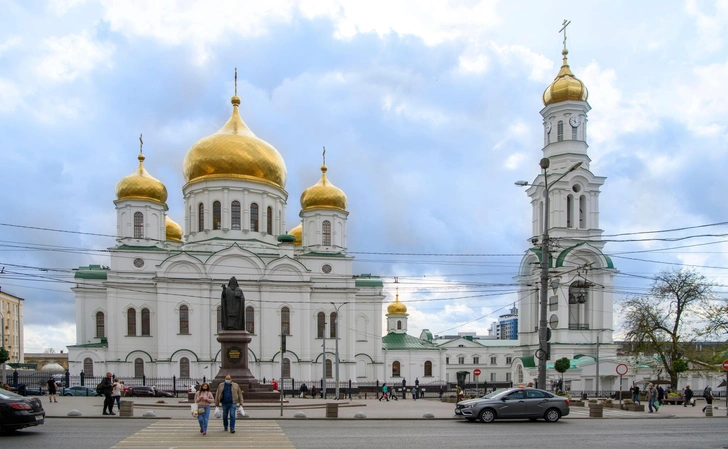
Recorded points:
(116,394)
(203,399)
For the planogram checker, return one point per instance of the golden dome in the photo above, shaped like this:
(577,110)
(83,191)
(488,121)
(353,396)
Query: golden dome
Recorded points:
(235,152)
(565,86)
(323,195)
(397,308)
(298,233)
(140,185)
(174,231)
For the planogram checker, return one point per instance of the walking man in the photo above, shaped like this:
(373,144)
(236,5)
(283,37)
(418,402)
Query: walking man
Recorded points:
(229,394)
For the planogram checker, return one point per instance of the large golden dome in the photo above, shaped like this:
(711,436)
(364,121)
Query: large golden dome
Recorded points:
(397,308)
(565,86)
(323,195)
(298,233)
(140,185)
(235,152)
(174,231)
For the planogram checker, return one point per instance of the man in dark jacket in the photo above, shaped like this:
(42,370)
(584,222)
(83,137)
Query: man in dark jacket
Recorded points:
(688,396)
(107,387)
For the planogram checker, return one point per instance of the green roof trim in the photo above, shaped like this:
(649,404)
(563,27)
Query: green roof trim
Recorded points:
(138,248)
(537,252)
(367,280)
(91,345)
(91,272)
(427,334)
(529,362)
(324,254)
(564,253)
(394,341)
(286,238)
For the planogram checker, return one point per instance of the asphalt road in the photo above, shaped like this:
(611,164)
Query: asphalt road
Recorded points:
(373,434)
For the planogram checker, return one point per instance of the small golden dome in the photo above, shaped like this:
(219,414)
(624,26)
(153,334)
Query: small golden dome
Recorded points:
(397,308)
(235,152)
(565,86)
(323,195)
(140,185)
(174,231)
(298,233)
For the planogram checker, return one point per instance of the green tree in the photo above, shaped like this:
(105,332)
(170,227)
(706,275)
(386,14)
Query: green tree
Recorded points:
(665,321)
(562,365)
(4,355)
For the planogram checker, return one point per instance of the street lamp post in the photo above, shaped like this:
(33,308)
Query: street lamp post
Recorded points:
(2,341)
(545,255)
(336,329)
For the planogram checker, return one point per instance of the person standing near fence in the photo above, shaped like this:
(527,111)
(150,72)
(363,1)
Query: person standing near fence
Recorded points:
(106,388)
(203,400)
(708,395)
(116,394)
(52,389)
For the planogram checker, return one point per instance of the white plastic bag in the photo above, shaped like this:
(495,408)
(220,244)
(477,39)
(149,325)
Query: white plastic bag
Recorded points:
(241,412)
(193,408)
(218,413)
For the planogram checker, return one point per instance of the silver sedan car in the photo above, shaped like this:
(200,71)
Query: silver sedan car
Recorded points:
(514,403)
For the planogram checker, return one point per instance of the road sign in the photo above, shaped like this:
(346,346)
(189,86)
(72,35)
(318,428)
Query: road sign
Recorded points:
(725,365)
(622,369)
(476,371)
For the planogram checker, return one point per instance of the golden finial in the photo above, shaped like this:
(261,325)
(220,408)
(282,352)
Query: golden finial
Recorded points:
(396,284)
(236,81)
(141,144)
(563,28)
(324,156)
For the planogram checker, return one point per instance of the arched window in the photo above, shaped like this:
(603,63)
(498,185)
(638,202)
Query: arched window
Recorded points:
(201,217)
(582,212)
(100,331)
(321,325)
(254,217)
(332,325)
(146,327)
(329,369)
(560,131)
(269,220)
(235,215)
(286,370)
(286,321)
(573,133)
(578,301)
(88,367)
(131,322)
(138,225)
(184,367)
(184,320)
(395,369)
(216,216)
(569,211)
(326,233)
(138,367)
(219,319)
(250,319)
(428,369)
(399,324)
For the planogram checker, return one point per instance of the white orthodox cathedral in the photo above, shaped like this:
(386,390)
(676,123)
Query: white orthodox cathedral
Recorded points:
(155,310)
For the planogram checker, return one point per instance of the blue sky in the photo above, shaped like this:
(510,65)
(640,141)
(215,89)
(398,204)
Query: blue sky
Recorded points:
(429,113)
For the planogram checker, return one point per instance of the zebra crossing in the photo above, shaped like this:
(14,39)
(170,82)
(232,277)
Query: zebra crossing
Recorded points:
(177,433)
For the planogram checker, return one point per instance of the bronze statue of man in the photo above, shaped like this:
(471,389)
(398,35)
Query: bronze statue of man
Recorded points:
(233,306)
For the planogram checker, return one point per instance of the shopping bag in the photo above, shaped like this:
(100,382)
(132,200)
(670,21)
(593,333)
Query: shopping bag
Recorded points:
(218,413)
(241,412)
(193,408)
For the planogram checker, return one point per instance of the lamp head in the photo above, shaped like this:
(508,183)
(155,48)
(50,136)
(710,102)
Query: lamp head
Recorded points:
(545,163)
(521,183)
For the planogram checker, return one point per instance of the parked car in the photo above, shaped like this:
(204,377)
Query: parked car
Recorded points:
(18,412)
(79,391)
(149,391)
(514,403)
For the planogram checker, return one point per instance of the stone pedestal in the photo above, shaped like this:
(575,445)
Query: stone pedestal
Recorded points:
(234,357)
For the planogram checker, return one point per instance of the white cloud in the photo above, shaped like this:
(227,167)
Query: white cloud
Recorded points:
(702,100)
(38,338)
(516,160)
(477,59)
(9,43)
(68,57)
(711,27)
(10,96)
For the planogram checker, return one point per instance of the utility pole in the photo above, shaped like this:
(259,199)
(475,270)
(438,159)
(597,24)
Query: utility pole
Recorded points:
(336,330)
(323,376)
(2,342)
(597,393)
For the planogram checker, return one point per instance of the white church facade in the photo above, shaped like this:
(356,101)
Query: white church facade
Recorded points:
(155,310)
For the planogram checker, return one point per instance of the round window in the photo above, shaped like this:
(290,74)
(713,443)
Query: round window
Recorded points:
(326,268)
(576,188)
(138,262)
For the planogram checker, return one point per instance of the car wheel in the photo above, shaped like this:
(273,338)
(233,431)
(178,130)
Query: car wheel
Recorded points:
(552,415)
(487,415)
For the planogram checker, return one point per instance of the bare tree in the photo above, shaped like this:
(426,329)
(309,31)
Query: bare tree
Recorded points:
(666,321)
(49,351)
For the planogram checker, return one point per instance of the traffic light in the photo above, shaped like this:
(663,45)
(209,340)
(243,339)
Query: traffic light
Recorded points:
(283,343)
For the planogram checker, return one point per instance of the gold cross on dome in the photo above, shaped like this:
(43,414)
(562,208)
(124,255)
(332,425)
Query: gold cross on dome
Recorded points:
(563,28)
(141,143)
(236,81)
(324,155)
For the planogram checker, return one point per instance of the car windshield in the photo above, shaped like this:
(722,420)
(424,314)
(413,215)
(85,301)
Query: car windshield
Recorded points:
(495,393)
(5,394)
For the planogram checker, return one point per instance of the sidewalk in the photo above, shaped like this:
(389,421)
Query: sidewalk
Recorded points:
(316,409)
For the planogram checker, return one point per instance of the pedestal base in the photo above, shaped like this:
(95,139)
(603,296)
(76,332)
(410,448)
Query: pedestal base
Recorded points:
(235,364)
